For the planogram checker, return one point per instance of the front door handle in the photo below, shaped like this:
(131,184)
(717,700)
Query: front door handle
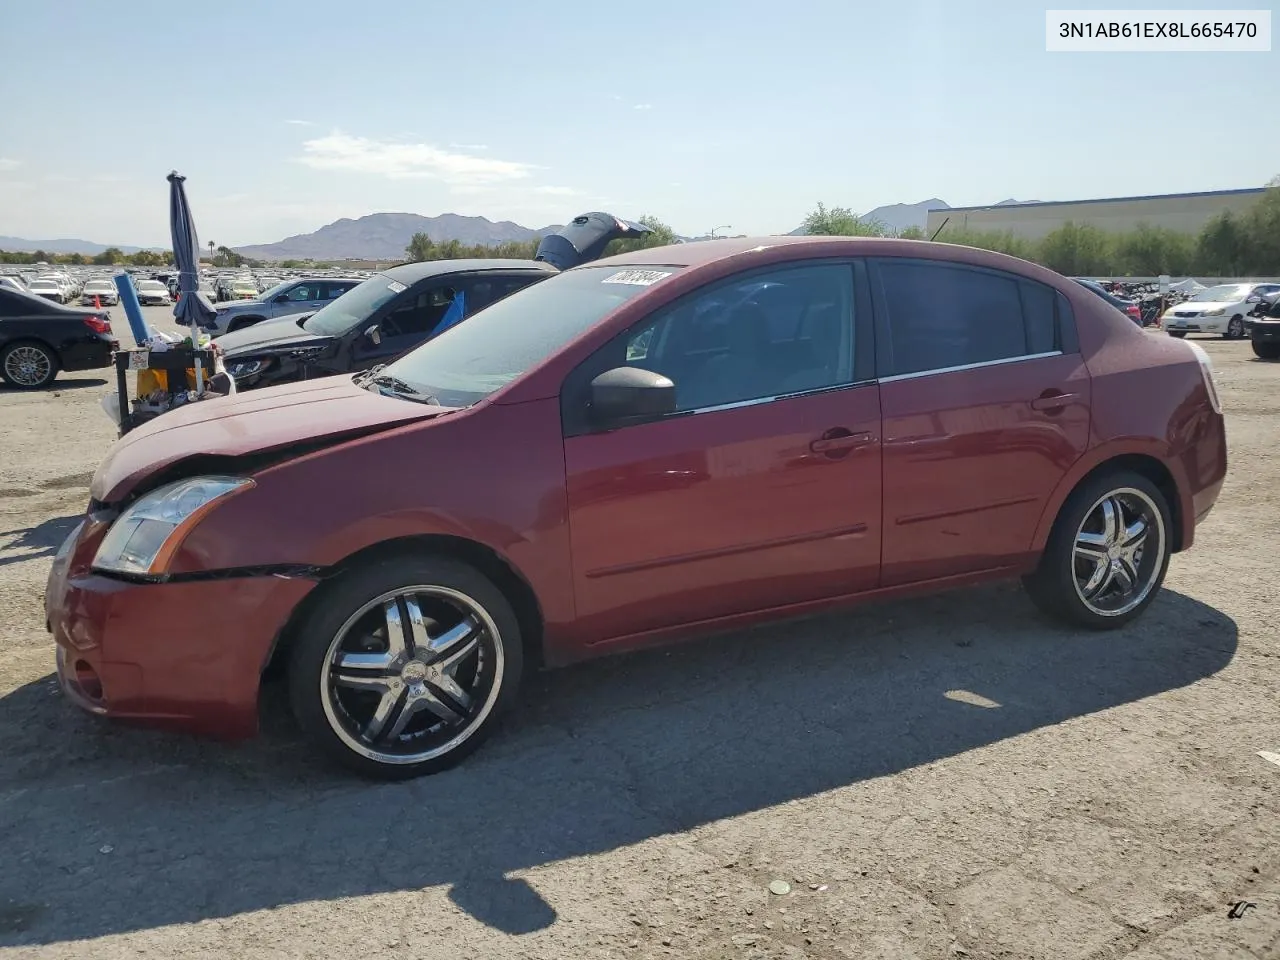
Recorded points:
(835,441)
(1052,400)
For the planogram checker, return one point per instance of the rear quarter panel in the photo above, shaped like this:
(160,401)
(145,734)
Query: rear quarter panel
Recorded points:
(1148,398)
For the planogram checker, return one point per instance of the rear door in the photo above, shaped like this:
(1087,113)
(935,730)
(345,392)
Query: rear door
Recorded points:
(986,406)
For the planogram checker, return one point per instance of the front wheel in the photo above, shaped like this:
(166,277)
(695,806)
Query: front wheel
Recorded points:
(1235,328)
(1107,555)
(28,365)
(1266,350)
(404,666)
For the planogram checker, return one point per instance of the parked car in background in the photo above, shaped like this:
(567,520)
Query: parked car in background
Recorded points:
(152,293)
(244,288)
(400,308)
(39,338)
(12,283)
(305,295)
(103,290)
(622,454)
(1129,308)
(1220,309)
(49,289)
(1263,325)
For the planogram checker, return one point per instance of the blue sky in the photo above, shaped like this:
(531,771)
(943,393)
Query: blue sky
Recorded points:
(287,115)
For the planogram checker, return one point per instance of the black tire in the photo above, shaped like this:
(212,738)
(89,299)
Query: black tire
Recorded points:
(1235,328)
(334,619)
(15,352)
(1177,333)
(1266,350)
(1054,586)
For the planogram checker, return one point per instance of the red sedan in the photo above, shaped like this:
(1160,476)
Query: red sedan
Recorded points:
(632,451)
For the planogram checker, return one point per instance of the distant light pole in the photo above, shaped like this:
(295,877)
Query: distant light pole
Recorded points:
(211,251)
(727,226)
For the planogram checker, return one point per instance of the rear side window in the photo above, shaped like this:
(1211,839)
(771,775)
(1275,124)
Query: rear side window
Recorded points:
(939,315)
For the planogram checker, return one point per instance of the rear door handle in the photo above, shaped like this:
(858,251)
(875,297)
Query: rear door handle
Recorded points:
(1055,400)
(843,441)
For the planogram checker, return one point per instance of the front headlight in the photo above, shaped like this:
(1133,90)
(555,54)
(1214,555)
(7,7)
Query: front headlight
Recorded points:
(246,368)
(145,537)
(1217,312)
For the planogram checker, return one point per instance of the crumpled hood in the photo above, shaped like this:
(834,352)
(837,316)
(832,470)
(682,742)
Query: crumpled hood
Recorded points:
(250,423)
(269,335)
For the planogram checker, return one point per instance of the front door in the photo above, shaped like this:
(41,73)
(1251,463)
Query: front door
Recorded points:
(762,490)
(986,406)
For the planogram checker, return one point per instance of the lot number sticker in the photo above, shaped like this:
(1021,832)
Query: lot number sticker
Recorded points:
(637,278)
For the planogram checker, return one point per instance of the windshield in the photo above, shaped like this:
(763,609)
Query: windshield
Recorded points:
(151,285)
(470,361)
(99,286)
(1226,293)
(355,306)
(276,290)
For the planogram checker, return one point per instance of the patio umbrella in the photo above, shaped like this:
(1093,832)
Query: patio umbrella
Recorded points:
(192,309)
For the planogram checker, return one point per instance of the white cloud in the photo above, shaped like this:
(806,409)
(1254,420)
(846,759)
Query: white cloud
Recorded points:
(557,191)
(301,123)
(616,96)
(400,161)
(8,164)
(468,146)
(643,106)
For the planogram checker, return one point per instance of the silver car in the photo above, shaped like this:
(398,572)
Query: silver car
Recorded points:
(304,295)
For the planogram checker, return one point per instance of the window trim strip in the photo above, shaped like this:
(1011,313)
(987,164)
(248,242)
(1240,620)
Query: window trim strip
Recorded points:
(970,366)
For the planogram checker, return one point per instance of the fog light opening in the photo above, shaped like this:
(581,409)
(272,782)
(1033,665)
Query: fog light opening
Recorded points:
(88,682)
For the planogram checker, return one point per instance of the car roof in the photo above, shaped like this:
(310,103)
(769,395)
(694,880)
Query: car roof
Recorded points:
(413,272)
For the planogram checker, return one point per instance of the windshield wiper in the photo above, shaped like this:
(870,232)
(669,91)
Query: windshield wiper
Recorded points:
(402,389)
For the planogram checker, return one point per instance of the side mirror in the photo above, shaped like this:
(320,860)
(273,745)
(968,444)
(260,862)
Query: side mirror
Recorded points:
(631,394)
(1253,299)
(373,333)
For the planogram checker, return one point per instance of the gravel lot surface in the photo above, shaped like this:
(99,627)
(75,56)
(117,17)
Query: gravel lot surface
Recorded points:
(949,777)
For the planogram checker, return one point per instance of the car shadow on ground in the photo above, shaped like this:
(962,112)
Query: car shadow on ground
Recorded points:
(62,383)
(109,830)
(42,540)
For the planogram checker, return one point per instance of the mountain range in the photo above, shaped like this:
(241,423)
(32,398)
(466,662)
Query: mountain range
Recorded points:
(384,236)
(19,245)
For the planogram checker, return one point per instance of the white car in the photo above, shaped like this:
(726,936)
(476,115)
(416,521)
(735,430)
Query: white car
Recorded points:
(49,289)
(1219,309)
(12,283)
(104,290)
(152,292)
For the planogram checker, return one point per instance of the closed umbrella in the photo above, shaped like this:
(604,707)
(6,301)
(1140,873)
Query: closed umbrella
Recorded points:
(192,309)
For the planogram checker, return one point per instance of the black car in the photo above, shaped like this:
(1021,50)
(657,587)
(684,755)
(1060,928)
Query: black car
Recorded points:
(1129,308)
(1263,327)
(38,338)
(400,308)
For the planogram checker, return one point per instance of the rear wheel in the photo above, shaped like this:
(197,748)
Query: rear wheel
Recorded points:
(1265,350)
(1107,554)
(28,365)
(404,666)
(1235,329)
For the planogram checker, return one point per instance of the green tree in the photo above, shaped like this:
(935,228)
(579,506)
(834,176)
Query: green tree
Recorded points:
(999,241)
(1077,249)
(912,233)
(420,248)
(840,222)
(1148,251)
(109,256)
(660,235)
(1220,247)
(1261,229)
(39,256)
(76,259)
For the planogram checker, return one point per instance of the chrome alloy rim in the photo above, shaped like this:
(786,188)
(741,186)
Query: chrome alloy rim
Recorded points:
(28,366)
(412,674)
(1118,552)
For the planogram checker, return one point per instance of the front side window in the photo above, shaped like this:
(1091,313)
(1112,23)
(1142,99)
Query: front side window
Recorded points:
(942,315)
(303,292)
(420,314)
